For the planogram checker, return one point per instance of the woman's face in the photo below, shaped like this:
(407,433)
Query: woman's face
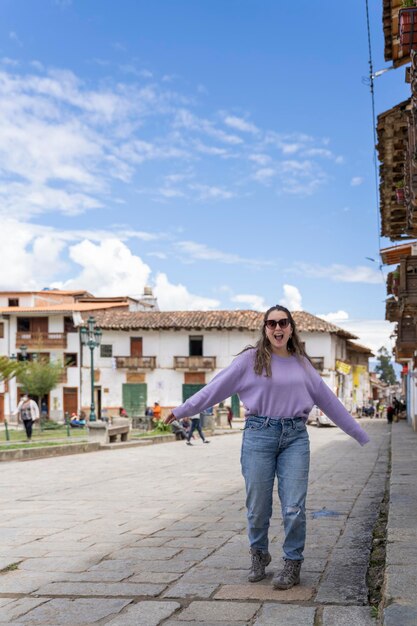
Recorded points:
(278,330)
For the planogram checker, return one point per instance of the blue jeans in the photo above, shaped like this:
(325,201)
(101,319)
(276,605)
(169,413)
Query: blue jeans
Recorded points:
(195,425)
(276,447)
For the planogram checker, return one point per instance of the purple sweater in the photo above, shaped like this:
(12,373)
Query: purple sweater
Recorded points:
(292,390)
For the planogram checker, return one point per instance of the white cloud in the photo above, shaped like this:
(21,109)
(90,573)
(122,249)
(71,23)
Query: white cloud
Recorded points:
(29,257)
(371,333)
(356,181)
(264,174)
(334,318)
(301,177)
(186,119)
(177,298)
(241,124)
(259,158)
(107,269)
(341,273)
(255,302)
(201,252)
(210,192)
(290,148)
(292,299)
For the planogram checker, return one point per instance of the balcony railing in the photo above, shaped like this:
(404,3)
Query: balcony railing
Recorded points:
(195,363)
(63,377)
(41,340)
(136,362)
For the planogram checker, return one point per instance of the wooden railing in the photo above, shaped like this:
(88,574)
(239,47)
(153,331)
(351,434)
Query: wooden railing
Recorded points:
(41,340)
(136,362)
(195,363)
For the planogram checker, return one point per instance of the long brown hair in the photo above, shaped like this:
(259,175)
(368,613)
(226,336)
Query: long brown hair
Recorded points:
(263,347)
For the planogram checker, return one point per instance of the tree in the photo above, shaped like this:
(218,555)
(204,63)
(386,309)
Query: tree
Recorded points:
(39,377)
(384,367)
(9,368)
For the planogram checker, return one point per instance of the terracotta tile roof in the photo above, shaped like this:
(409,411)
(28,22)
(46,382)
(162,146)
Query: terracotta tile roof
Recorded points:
(311,323)
(357,347)
(46,292)
(191,320)
(67,307)
(205,320)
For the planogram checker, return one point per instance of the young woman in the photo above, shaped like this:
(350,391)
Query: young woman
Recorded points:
(278,387)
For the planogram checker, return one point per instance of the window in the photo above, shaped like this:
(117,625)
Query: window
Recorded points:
(196,345)
(13,302)
(69,325)
(70,359)
(106,350)
(318,362)
(23,324)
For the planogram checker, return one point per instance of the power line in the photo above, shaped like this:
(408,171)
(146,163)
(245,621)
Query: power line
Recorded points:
(372,76)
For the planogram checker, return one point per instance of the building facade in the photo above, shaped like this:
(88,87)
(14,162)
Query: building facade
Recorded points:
(147,356)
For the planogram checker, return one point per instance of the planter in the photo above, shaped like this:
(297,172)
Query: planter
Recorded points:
(400,196)
(408,29)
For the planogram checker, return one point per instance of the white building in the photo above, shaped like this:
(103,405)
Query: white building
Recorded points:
(149,356)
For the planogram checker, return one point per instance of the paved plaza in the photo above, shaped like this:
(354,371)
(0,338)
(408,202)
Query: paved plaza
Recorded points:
(156,535)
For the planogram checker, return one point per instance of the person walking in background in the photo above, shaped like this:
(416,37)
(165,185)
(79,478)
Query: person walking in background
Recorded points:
(27,411)
(195,425)
(278,385)
(229,416)
(156,412)
(390,413)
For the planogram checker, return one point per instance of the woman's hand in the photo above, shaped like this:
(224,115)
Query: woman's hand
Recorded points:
(171,417)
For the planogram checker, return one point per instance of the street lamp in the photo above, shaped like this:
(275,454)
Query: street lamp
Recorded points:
(91,337)
(24,352)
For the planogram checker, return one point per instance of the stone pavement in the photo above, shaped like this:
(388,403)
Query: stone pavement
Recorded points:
(156,535)
(400,585)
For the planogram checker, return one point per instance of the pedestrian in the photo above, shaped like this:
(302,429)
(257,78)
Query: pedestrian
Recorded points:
(27,411)
(229,416)
(390,413)
(44,409)
(278,386)
(195,425)
(156,412)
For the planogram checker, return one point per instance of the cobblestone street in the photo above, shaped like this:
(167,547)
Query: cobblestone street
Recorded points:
(157,535)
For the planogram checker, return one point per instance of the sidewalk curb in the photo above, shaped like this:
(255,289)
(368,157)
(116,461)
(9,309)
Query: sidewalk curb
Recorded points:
(25,454)
(399,600)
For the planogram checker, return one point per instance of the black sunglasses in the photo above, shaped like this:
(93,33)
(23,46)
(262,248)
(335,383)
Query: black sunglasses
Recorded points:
(274,323)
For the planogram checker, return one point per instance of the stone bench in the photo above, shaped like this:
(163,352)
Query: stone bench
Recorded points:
(109,432)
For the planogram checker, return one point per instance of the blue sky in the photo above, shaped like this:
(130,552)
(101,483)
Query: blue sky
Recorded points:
(220,151)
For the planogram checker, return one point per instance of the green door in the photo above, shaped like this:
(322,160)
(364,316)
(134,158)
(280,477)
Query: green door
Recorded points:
(189,390)
(235,406)
(135,396)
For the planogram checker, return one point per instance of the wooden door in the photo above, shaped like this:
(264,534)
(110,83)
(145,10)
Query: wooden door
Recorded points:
(135,397)
(1,407)
(189,390)
(39,325)
(70,400)
(136,346)
(235,406)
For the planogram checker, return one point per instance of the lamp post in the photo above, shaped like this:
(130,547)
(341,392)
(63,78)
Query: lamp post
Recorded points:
(24,352)
(91,337)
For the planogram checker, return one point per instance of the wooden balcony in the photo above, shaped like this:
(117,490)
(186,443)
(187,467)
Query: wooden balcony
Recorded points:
(63,377)
(136,363)
(41,340)
(392,310)
(407,291)
(195,363)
